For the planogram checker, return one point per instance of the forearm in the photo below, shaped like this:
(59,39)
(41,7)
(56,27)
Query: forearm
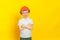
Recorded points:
(29,26)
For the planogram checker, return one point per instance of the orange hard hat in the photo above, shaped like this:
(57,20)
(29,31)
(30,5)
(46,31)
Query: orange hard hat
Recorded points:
(24,8)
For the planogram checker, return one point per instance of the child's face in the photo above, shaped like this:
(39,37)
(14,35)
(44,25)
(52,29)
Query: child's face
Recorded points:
(25,13)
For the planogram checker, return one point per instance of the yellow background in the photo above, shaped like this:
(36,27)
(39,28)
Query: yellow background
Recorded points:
(45,15)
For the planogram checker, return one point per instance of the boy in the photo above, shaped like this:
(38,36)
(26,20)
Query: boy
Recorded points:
(25,24)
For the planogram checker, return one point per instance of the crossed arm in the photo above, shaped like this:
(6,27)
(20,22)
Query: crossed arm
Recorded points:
(28,26)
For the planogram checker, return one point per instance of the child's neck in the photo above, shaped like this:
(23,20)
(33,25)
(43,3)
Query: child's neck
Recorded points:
(25,17)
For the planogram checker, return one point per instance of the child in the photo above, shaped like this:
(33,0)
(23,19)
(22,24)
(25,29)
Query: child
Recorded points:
(25,24)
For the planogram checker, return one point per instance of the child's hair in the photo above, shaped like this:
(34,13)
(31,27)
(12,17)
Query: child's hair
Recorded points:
(24,8)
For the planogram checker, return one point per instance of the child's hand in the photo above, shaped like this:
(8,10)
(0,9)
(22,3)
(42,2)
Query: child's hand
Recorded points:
(23,26)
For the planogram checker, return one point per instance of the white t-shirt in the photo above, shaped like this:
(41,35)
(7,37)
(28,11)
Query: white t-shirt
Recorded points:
(26,32)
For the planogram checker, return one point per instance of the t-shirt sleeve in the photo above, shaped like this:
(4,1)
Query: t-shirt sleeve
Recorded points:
(20,23)
(31,21)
